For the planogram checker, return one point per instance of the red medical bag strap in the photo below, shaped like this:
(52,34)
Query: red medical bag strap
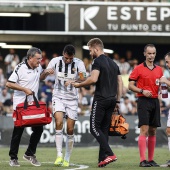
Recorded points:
(35,100)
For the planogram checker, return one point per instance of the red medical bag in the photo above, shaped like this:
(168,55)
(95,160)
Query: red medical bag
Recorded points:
(35,113)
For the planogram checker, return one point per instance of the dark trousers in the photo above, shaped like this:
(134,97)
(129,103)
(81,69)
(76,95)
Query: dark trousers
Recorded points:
(16,137)
(100,119)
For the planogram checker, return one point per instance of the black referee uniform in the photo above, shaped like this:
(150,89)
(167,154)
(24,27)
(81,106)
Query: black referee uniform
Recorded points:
(104,102)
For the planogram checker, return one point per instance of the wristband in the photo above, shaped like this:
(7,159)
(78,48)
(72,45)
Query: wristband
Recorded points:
(117,101)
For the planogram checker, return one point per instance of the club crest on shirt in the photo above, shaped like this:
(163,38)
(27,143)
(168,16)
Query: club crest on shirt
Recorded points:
(157,82)
(74,69)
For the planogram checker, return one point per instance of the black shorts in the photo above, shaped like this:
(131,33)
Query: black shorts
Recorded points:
(149,112)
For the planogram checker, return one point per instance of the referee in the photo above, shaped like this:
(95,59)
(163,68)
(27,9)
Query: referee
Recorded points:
(144,80)
(24,80)
(106,76)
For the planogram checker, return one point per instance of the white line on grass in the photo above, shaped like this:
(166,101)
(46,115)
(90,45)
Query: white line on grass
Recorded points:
(79,167)
(71,164)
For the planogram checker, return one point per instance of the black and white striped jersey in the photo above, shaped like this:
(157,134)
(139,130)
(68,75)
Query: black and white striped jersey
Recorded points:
(63,73)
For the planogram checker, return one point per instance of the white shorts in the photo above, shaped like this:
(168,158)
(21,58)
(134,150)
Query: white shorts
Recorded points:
(168,121)
(69,107)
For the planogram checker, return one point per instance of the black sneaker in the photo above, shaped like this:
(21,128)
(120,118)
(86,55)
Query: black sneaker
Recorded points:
(153,163)
(144,164)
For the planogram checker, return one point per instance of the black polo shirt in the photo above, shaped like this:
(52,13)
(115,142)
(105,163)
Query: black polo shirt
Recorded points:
(106,85)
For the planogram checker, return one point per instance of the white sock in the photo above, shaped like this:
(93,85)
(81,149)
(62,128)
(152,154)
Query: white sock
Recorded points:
(59,142)
(169,142)
(69,147)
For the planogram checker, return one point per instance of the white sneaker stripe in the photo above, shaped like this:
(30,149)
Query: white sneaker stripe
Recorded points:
(108,159)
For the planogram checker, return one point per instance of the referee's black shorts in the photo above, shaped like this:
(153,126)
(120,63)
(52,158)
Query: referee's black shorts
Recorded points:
(149,112)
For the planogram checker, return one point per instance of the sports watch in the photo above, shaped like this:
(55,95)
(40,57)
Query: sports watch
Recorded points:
(141,91)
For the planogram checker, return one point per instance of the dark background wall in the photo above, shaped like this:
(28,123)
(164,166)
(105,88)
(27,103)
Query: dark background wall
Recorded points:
(37,22)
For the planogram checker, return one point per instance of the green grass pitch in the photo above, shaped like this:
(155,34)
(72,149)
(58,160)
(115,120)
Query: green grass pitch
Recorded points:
(128,158)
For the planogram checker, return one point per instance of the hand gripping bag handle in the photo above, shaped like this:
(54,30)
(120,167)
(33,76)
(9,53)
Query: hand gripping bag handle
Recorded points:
(35,100)
(118,113)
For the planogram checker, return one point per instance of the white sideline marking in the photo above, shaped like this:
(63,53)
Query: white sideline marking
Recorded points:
(71,164)
(164,165)
(79,167)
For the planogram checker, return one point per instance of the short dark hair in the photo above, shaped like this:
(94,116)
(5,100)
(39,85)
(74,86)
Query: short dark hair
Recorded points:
(69,49)
(96,42)
(167,54)
(148,45)
(32,51)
